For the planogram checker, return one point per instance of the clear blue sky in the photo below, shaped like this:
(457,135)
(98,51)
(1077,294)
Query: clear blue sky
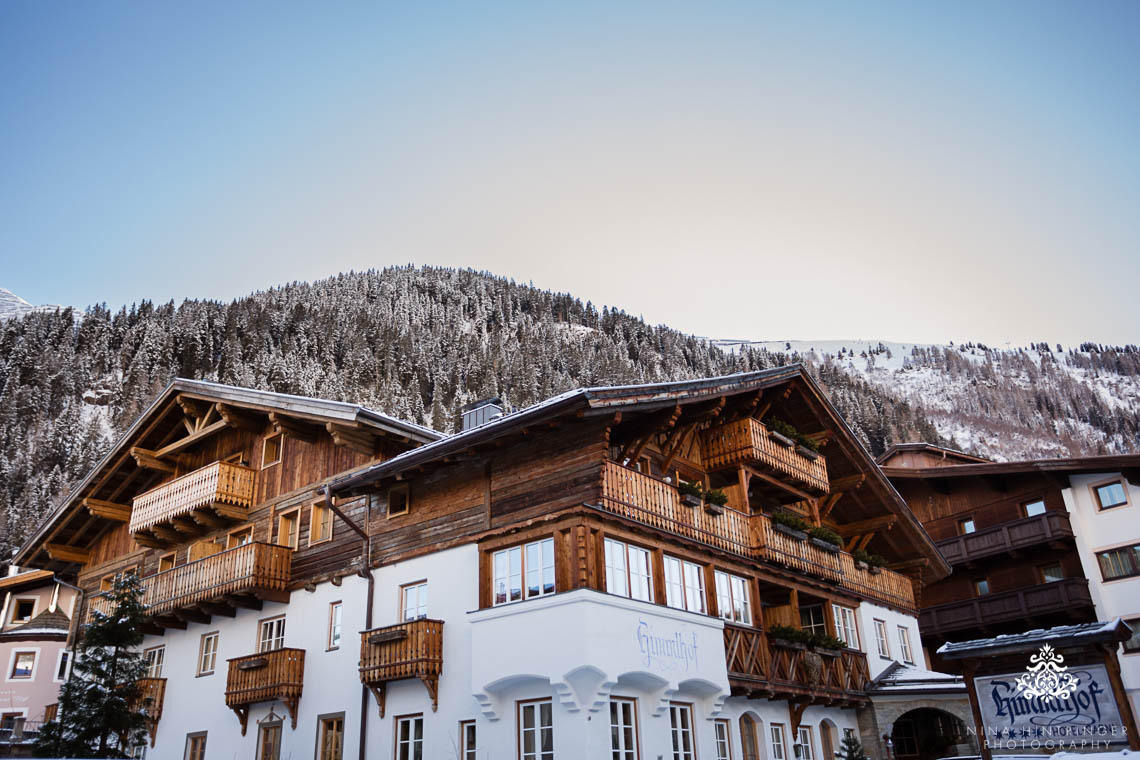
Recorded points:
(913,171)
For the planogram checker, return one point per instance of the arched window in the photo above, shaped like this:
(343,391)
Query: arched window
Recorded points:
(748,743)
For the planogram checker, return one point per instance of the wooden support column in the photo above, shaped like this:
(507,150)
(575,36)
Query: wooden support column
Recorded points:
(1127,716)
(969,669)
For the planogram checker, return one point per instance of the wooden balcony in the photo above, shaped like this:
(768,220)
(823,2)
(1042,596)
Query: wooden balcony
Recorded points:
(238,577)
(758,668)
(406,650)
(265,677)
(747,442)
(1068,598)
(194,503)
(1002,539)
(657,504)
(150,699)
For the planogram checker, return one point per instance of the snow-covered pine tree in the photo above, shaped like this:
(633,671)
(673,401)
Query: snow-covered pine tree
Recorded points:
(100,712)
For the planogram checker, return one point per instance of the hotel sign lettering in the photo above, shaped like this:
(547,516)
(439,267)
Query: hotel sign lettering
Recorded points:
(1086,711)
(667,650)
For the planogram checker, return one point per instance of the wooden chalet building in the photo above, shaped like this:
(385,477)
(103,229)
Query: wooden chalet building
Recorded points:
(324,579)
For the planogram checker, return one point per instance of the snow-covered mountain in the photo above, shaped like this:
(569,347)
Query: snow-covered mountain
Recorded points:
(11,305)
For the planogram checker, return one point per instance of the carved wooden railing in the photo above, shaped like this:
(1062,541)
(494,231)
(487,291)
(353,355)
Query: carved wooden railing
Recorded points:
(406,650)
(747,441)
(222,487)
(264,677)
(254,568)
(653,502)
(750,657)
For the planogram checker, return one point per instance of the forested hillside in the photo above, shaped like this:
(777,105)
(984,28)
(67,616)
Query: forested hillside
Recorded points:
(416,343)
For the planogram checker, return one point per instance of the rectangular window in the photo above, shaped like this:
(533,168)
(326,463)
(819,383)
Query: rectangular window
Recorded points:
(981,587)
(1119,563)
(681,724)
(415,601)
(62,666)
(628,571)
(271,452)
(904,645)
(1111,495)
(334,625)
(1034,508)
(399,500)
(467,744)
(154,658)
(289,528)
(269,742)
(777,733)
(732,598)
(166,562)
(271,634)
(320,524)
(196,746)
(330,738)
(685,585)
(804,740)
(845,628)
(623,729)
(721,741)
(240,537)
(510,570)
(1132,646)
(410,737)
(812,619)
(881,638)
(208,653)
(536,730)
(23,665)
(1052,573)
(23,610)
(966,525)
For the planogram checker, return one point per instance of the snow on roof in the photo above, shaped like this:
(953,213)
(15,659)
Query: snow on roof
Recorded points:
(48,622)
(1062,635)
(898,678)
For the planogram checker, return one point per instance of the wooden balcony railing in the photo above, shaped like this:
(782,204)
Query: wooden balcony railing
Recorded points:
(224,489)
(256,570)
(1066,598)
(764,667)
(747,441)
(1001,539)
(406,650)
(264,677)
(150,699)
(655,503)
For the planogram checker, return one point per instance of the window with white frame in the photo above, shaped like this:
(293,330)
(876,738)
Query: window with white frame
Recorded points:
(623,729)
(628,570)
(23,609)
(415,600)
(154,658)
(23,666)
(271,635)
(881,638)
(409,737)
(208,653)
(334,625)
(732,598)
(721,741)
(536,730)
(681,728)
(803,738)
(62,665)
(533,562)
(685,585)
(778,749)
(467,744)
(845,628)
(904,645)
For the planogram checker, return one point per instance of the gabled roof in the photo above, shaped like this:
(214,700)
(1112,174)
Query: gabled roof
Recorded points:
(898,678)
(1067,466)
(1059,636)
(607,400)
(954,455)
(25,580)
(313,410)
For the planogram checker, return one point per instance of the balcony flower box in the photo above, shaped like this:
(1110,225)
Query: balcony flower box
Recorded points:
(785,644)
(798,535)
(714,509)
(826,652)
(781,439)
(690,500)
(715,500)
(861,565)
(691,493)
(253,664)
(385,636)
(875,569)
(827,546)
(804,451)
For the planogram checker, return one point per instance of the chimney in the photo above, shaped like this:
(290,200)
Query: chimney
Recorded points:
(481,412)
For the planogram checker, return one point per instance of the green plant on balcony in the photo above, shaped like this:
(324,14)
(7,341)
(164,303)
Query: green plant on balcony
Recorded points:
(867,561)
(827,535)
(789,636)
(827,645)
(690,493)
(715,499)
(785,434)
(791,525)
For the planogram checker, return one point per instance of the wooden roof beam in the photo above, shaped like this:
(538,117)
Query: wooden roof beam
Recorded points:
(356,439)
(149,460)
(108,510)
(239,419)
(190,440)
(192,407)
(885,522)
(63,553)
(293,427)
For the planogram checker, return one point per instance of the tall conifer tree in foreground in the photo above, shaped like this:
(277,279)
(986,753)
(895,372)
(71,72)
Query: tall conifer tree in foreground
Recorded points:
(99,713)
